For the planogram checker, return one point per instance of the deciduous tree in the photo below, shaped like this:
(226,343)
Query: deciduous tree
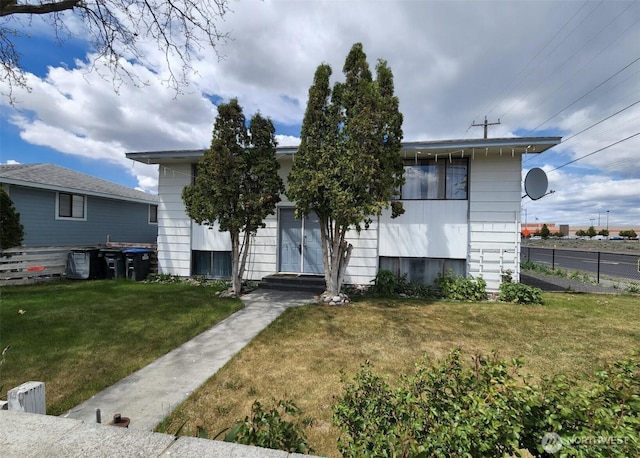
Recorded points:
(348,167)
(117,30)
(237,184)
(630,233)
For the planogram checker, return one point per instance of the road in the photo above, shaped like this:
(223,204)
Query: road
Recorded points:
(617,265)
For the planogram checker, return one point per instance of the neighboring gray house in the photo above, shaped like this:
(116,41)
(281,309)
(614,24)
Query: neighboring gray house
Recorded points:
(59,206)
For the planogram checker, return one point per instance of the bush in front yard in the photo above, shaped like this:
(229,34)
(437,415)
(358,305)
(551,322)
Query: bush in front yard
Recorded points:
(458,288)
(488,409)
(518,293)
(388,284)
(275,426)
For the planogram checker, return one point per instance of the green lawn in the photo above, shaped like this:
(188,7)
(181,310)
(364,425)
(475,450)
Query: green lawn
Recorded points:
(301,355)
(81,337)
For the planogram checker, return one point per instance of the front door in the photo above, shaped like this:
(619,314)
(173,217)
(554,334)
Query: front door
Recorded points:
(300,246)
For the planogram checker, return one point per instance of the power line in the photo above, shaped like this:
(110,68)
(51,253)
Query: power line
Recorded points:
(570,79)
(601,121)
(597,151)
(584,95)
(590,127)
(518,78)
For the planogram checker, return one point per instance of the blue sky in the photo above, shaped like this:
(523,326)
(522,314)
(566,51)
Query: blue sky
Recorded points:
(543,68)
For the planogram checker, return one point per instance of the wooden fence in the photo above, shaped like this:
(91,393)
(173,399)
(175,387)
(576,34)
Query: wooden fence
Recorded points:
(23,265)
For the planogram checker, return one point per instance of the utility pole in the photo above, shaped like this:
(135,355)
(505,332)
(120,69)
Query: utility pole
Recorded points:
(485,124)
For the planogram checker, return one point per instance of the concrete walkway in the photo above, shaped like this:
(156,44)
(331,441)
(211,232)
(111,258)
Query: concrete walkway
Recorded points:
(150,394)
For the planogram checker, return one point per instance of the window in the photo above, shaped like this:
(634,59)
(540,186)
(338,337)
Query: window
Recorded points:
(422,270)
(428,179)
(211,264)
(153,214)
(71,206)
(194,173)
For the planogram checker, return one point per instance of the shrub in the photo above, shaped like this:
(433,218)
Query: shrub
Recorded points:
(456,287)
(542,268)
(197,280)
(518,292)
(489,409)
(275,427)
(11,230)
(163,278)
(631,288)
(387,284)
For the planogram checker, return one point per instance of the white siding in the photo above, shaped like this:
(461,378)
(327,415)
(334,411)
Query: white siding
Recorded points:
(209,238)
(428,228)
(261,260)
(174,226)
(483,230)
(494,209)
(363,265)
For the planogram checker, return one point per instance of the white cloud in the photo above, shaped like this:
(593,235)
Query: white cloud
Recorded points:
(531,64)
(579,199)
(287,140)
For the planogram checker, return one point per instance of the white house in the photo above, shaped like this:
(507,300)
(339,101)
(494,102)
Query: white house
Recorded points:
(462,201)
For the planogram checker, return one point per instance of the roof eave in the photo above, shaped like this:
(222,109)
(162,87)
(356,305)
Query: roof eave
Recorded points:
(157,157)
(515,145)
(47,187)
(538,144)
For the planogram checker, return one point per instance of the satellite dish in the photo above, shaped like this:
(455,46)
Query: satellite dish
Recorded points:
(535,183)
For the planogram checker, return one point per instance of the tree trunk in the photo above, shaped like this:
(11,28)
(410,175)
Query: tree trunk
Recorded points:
(326,263)
(345,257)
(236,279)
(244,252)
(336,255)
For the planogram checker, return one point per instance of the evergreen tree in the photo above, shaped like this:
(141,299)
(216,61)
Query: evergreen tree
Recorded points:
(11,231)
(237,184)
(545,232)
(348,165)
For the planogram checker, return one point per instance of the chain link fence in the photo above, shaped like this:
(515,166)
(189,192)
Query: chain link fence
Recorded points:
(603,266)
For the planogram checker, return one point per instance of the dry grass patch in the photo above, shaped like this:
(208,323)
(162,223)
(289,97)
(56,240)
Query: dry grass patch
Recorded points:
(302,354)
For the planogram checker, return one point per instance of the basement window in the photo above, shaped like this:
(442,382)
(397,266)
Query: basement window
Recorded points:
(211,264)
(422,270)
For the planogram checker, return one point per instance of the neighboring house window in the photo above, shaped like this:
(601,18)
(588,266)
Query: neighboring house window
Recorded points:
(212,264)
(72,206)
(428,179)
(153,214)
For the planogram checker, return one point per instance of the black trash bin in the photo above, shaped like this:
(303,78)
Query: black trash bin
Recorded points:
(137,263)
(113,262)
(84,264)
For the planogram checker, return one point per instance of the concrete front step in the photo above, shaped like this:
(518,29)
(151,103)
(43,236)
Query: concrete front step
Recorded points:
(294,282)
